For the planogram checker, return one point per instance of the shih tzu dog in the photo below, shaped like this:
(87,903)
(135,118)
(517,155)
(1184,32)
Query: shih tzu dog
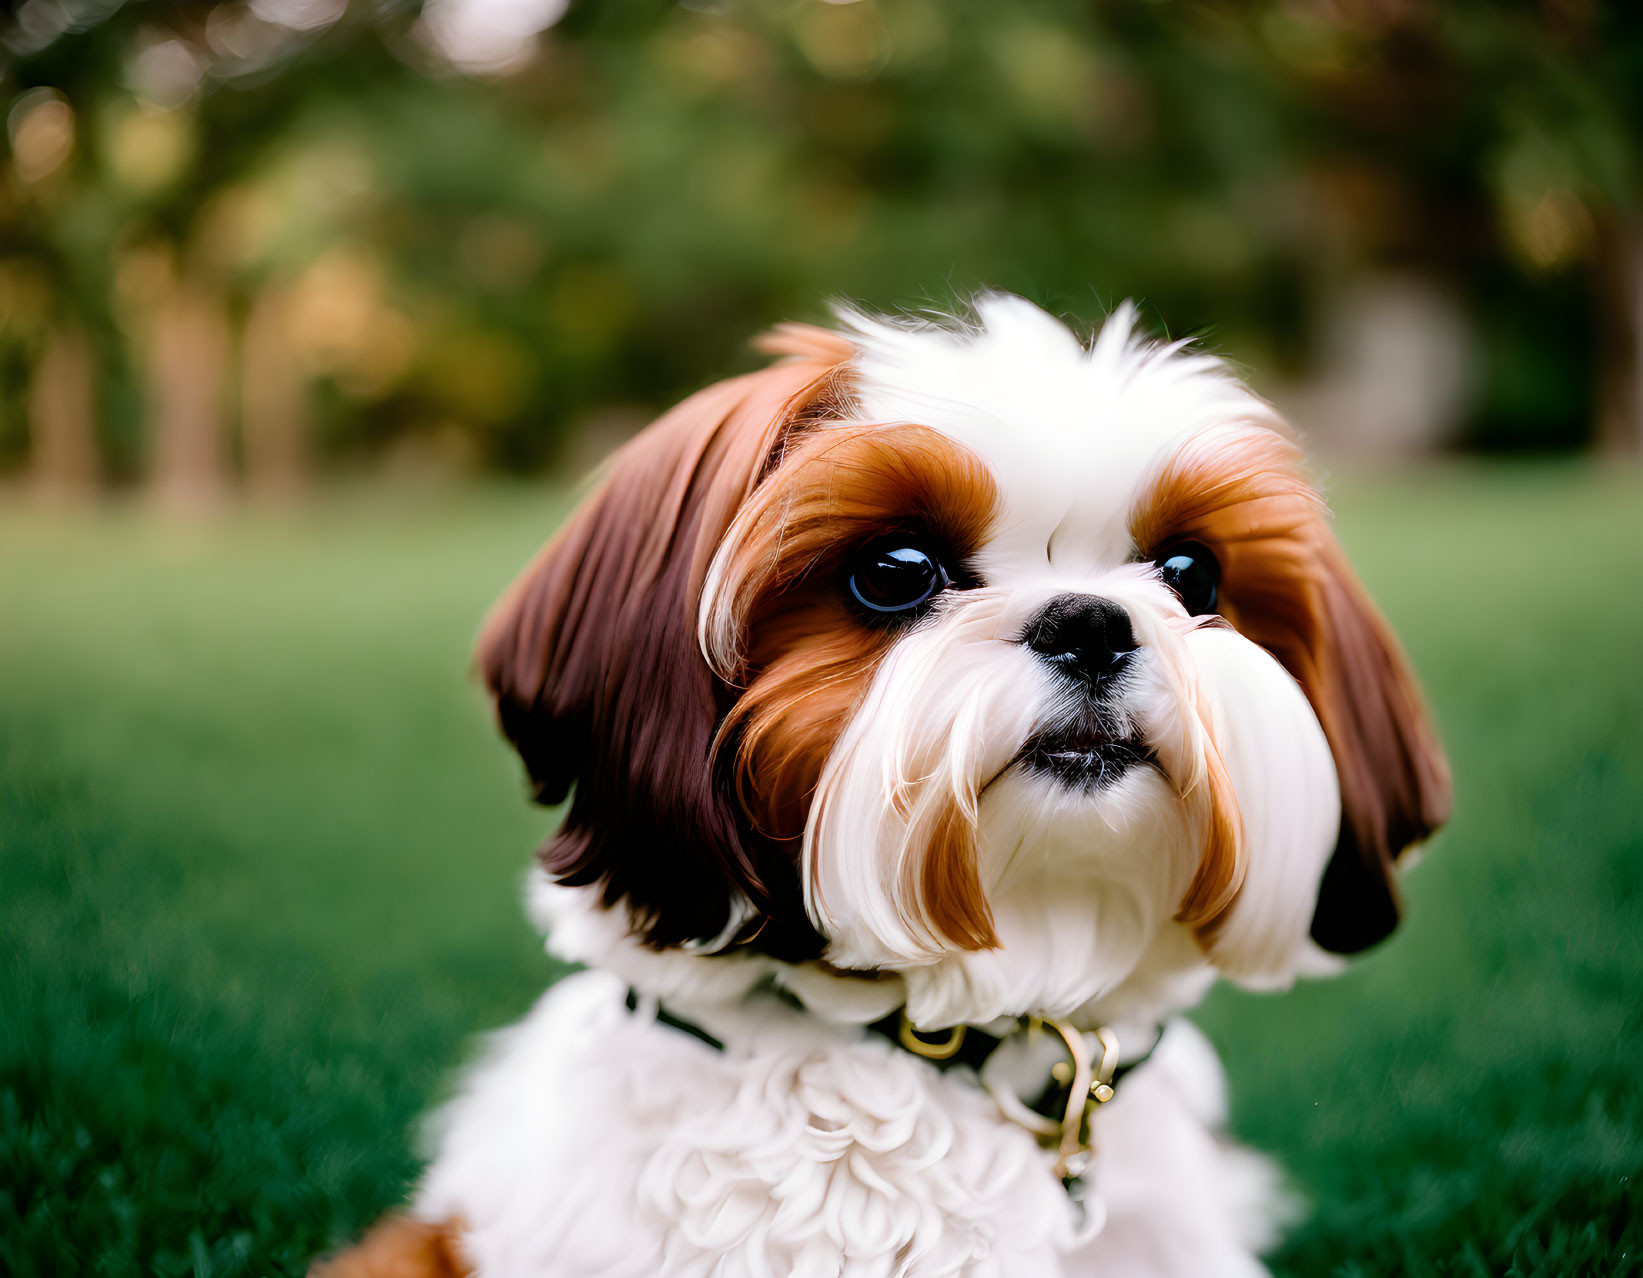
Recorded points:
(942,709)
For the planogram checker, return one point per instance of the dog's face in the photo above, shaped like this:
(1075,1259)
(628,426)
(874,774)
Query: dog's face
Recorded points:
(975,654)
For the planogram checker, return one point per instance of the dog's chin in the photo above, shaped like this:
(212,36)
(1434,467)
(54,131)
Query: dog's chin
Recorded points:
(1074,806)
(1080,878)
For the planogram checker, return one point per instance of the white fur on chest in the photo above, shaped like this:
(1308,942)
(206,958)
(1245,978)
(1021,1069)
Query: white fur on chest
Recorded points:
(594,1141)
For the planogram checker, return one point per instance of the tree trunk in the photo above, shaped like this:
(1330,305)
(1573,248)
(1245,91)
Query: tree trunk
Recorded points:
(274,406)
(187,363)
(62,417)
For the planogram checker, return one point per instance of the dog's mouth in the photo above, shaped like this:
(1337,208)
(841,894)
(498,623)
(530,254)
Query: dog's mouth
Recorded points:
(1087,754)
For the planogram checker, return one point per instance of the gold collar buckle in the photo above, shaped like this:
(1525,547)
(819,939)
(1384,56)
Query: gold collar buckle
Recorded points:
(1088,1080)
(1089,1086)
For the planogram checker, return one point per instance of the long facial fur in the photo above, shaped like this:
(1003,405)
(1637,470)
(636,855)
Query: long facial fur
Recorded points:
(875,770)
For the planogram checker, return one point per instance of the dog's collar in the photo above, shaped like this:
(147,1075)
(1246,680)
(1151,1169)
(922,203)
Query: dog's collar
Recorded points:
(1058,1115)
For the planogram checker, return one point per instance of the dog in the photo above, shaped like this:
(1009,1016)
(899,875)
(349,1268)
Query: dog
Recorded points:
(942,710)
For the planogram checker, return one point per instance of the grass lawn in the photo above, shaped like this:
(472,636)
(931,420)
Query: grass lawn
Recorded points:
(260,856)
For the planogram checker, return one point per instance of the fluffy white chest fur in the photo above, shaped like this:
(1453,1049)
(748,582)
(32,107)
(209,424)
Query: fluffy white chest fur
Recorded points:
(966,674)
(592,1140)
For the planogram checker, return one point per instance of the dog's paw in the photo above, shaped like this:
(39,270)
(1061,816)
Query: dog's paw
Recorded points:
(398,1247)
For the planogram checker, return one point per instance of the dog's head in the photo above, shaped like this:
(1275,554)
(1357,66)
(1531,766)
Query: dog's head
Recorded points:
(971,652)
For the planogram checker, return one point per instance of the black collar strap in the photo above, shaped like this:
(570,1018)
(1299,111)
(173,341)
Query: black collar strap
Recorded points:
(1059,1121)
(676,1022)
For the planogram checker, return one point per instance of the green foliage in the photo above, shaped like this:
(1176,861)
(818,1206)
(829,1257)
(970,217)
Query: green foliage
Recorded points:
(261,849)
(607,225)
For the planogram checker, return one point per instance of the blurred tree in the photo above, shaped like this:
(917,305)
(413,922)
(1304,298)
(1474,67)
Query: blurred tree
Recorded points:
(492,223)
(61,416)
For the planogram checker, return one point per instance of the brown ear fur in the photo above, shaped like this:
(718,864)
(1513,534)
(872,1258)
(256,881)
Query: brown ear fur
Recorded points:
(593,661)
(1286,584)
(1395,784)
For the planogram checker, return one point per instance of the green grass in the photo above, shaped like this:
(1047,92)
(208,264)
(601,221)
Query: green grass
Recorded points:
(260,856)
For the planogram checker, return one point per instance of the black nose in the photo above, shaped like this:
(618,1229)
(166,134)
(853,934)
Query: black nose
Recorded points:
(1083,636)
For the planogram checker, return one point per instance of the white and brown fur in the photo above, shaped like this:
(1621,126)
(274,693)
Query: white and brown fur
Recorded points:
(769,791)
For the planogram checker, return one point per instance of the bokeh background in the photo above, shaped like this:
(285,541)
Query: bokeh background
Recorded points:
(311,313)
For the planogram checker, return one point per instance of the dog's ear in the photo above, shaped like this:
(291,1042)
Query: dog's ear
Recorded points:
(1297,596)
(593,662)
(1286,585)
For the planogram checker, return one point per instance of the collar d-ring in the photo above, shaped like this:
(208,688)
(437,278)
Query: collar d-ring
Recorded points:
(931,1048)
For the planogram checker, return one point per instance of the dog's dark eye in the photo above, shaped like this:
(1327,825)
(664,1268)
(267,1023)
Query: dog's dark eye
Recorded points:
(895,577)
(1193,573)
